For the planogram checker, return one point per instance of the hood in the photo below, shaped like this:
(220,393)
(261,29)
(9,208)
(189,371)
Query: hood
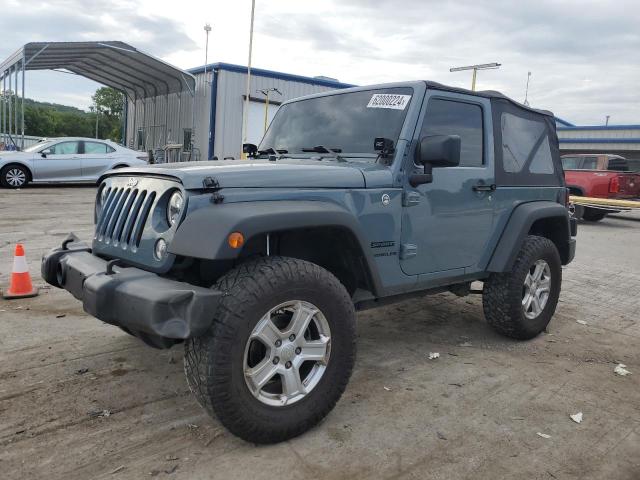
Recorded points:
(284,173)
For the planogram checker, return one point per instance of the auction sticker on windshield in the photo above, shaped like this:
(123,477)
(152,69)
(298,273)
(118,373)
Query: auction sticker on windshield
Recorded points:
(389,100)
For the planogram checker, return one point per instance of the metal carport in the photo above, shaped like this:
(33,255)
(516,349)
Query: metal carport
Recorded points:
(116,64)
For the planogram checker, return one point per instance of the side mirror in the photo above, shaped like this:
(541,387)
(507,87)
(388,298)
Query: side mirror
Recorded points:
(43,154)
(249,149)
(435,151)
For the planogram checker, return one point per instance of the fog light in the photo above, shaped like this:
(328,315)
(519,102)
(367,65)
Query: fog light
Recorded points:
(161,249)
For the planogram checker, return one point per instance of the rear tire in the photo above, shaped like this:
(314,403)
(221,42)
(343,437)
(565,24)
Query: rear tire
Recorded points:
(593,214)
(217,364)
(515,303)
(14,176)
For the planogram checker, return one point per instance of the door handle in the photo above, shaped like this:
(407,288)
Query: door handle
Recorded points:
(481,187)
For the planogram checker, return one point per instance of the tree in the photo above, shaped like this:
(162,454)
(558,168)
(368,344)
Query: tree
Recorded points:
(108,102)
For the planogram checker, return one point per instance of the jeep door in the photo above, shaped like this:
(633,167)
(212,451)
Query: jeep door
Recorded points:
(446,224)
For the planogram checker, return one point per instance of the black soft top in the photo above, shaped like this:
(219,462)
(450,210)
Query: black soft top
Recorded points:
(491,94)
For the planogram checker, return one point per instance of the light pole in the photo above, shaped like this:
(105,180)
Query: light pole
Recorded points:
(207,29)
(266,92)
(475,68)
(245,113)
(526,93)
(97,117)
(607,122)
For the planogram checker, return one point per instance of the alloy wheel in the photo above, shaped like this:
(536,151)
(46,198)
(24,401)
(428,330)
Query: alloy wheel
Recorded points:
(536,288)
(287,353)
(15,177)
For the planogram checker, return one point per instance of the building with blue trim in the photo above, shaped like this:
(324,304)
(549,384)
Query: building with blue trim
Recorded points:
(217,114)
(616,139)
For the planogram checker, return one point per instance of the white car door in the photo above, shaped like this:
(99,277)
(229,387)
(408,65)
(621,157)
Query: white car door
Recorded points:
(98,157)
(59,162)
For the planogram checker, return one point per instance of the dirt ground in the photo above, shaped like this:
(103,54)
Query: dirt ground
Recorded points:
(80,399)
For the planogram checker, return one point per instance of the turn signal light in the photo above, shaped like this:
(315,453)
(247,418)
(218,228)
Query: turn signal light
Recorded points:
(235,239)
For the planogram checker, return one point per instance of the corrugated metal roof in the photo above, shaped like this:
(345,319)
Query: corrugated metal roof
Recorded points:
(115,64)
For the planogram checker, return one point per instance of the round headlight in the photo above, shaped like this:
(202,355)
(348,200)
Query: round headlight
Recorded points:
(174,209)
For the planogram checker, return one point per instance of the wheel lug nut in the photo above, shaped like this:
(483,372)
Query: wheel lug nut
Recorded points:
(287,365)
(278,343)
(298,350)
(292,337)
(276,360)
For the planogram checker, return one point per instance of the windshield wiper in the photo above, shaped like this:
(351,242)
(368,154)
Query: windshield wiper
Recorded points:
(322,149)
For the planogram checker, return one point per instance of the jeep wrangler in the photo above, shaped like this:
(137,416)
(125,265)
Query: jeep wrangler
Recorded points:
(353,199)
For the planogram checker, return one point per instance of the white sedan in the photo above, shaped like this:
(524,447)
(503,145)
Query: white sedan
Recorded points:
(68,159)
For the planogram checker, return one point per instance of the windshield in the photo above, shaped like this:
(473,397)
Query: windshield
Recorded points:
(342,123)
(38,146)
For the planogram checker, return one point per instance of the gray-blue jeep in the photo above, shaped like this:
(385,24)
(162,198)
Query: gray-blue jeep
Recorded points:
(353,199)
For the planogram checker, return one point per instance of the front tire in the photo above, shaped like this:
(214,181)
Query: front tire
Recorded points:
(520,303)
(279,353)
(14,176)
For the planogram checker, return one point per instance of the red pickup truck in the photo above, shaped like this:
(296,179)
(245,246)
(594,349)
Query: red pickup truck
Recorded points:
(599,176)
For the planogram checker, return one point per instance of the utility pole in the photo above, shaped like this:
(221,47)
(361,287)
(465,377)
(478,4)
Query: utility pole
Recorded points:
(475,68)
(97,117)
(526,93)
(245,113)
(607,122)
(207,29)
(266,92)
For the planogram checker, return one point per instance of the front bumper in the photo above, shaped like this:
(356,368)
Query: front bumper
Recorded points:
(158,310)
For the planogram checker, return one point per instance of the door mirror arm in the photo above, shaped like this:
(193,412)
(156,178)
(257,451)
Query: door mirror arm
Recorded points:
(416,179)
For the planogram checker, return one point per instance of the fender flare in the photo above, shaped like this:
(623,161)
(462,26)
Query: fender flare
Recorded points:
(518,227)
(203,233)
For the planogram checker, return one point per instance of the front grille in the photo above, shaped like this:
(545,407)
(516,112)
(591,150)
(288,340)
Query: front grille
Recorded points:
(123,216)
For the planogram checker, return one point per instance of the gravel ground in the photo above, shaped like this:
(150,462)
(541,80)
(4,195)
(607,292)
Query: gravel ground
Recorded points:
(80,399)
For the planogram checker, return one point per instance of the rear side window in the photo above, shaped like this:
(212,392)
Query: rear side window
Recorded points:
(97,147)
(570,163)
(447,117)
(590,163)
(525,146)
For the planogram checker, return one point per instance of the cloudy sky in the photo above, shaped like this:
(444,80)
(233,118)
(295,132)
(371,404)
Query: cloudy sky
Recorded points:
(584,55)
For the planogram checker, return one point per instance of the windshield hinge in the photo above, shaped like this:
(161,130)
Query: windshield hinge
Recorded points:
(410,199)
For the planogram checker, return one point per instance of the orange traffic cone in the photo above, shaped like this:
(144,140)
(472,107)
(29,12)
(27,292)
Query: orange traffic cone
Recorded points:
(20,285)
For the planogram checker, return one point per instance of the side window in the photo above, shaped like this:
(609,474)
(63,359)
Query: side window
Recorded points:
(448,117)
(590,163)
(570,163)
(64,148)
(525,142)
(96,147)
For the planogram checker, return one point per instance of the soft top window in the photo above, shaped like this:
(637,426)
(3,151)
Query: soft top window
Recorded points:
(526,147)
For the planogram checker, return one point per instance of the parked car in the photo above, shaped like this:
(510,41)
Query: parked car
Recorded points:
(67,159)
(599,176)
(355,198)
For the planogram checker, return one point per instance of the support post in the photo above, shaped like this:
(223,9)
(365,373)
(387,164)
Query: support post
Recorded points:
(473,80)
(15,106)
(135,128)
(266,112)
(166,119)
(23,75)
(10,108)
